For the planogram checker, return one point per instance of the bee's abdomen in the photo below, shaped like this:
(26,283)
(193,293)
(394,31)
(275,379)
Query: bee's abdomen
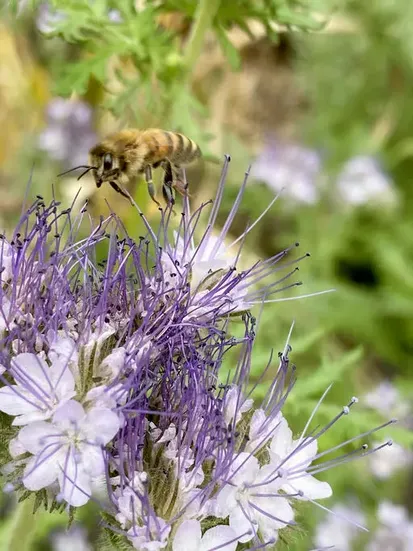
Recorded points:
(185,150)
(175,147)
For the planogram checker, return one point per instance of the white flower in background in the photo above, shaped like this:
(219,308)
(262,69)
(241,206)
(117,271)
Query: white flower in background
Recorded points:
(39,390)
(73,539)
(362,181)
(252,500)
(289,167)
(340,527)
(188,537)
(395,532)
(389,460)
(115,16)
(68,450)
(291,458)
(386,399)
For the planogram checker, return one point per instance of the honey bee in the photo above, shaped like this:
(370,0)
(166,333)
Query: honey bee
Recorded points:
(124,155)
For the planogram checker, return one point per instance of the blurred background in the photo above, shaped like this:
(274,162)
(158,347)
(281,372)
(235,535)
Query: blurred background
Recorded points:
(316,96)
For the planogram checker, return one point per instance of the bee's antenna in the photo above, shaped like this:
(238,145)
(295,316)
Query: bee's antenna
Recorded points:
(75,168)
(86,171)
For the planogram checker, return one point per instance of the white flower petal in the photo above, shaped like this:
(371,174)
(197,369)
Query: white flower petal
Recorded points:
(100,425)
(113,364)
(38,436)
(244,469)
(33,370)
(188,536)
(241,525)
(262,428)
(69,414)
(16,448)
(303,456)
(235,405)
(226,500)
(74,482)
(217,537)
(282,439)
(63,348)
(62,379)
(269,478)
(14,401)
(92,459)
(279,512)
(42,470)
(310,486)
(32,417)
(269,532)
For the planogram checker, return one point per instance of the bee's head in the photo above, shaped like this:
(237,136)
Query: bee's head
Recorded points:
(106,162)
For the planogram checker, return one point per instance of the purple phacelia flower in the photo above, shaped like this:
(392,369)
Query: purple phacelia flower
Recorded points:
(112,371)
(69,134)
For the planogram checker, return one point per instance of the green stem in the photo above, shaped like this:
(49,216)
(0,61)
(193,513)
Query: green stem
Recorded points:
(23,527)
(204,16)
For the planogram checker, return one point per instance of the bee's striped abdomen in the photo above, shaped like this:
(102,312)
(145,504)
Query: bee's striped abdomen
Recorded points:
(185,151)
(163,145)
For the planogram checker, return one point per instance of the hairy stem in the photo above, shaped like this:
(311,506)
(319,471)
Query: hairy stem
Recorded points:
(204,16)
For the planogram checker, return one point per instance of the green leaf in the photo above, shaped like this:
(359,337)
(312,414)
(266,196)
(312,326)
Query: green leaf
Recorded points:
(326,374)
(229,50)
(76,76)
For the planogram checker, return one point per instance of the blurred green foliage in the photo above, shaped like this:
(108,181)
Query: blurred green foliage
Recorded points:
(152,78)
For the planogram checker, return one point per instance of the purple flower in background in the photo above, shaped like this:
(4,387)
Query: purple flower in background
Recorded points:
(115,375)
(289,167)
(47,18)
(69,133)
(296,170)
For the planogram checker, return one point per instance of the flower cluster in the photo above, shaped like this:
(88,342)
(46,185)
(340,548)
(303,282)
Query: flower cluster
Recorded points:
(299,171)
(117,388)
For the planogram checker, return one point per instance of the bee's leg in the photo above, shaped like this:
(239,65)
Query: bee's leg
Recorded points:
(117,188)
(149,183)
(181,188)
(167,190)
(178,184)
